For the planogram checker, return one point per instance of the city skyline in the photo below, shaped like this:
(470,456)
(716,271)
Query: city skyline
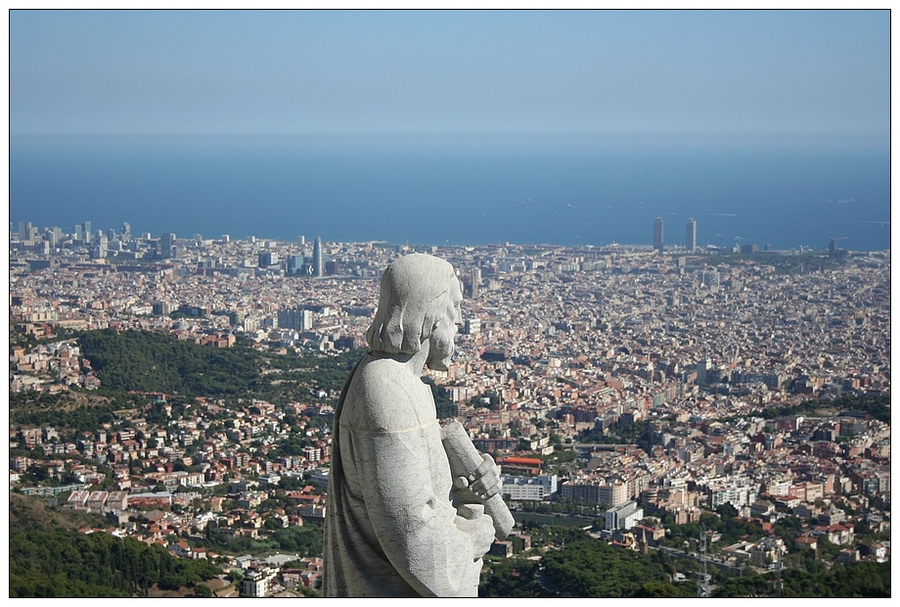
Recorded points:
(25,233)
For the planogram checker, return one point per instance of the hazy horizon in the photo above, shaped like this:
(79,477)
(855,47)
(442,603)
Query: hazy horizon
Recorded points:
(373,123)
(458,190)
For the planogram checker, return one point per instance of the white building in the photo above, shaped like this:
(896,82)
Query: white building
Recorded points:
(528,488)
(614,493)
(625,516)
(735,490)
(258,582)
(472,326)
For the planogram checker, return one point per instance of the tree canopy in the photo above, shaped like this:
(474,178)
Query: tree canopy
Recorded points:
(156,362)
(71,564)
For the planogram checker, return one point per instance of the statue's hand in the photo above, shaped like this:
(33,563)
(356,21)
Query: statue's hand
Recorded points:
(480,528)
(483,482)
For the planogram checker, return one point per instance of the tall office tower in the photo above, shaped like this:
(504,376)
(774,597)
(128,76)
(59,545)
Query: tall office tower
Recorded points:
(24,230)
(832,247)
(100,248)
(658,234)
(690,235)
(702,368)
(166,244)
(86,230)
(76,232)
(126,231)
(267,258)
(318,261)
(296,319)
(294,264)
(289,318)
(475,277)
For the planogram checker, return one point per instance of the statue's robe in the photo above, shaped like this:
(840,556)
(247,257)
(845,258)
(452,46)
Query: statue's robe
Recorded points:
(391,529)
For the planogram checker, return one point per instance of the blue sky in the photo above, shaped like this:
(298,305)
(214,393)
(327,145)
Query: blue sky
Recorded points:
(667,72)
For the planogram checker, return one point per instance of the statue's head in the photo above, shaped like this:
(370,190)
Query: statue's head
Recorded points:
(420,297)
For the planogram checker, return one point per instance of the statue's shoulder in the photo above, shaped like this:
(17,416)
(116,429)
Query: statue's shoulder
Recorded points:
(384,396)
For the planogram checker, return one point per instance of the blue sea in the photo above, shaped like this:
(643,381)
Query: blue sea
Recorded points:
(459,188)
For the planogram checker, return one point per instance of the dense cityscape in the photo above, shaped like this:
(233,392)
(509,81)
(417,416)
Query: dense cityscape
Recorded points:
(632,390)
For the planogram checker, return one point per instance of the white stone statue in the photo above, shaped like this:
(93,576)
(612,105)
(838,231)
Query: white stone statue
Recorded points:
(398,522)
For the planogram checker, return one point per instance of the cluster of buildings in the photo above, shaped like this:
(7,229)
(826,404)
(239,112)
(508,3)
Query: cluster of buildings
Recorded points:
(166,489)
(557,344)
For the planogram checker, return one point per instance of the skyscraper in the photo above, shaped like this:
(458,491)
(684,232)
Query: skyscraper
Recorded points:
(266,259)
(658,234)
(295,318)
(166,244)
(690,235)
(475,279)
(294,264)
(100,248)
(318,261)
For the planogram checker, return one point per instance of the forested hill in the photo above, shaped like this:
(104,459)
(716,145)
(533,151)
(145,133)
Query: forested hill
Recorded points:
(49,558)
(156,362)
(28,513)
(143,361)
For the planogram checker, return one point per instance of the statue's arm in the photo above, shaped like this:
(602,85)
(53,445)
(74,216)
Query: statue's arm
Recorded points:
(437,551)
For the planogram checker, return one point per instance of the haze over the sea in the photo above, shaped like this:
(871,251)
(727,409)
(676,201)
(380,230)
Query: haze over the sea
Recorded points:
(462,127)
(566,190)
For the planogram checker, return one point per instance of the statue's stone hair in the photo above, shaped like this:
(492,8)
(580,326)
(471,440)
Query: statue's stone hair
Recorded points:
(414,292)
